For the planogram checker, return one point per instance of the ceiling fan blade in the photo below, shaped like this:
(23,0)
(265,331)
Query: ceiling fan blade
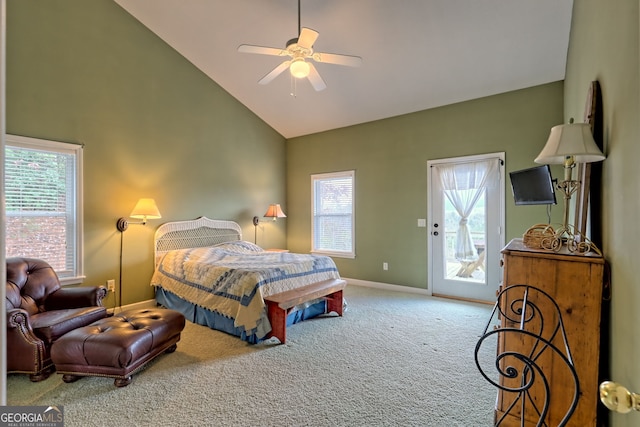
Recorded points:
(315,79)
(262,50)
(274,73)
(307,37)
(333,58)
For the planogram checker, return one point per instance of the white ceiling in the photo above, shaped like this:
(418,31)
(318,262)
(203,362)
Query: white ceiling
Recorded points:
(417,54)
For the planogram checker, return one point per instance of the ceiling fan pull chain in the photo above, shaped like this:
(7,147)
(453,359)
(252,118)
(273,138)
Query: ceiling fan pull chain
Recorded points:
(294,87)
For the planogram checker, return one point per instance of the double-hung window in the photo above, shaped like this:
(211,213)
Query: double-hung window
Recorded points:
(43,203)
(333,213)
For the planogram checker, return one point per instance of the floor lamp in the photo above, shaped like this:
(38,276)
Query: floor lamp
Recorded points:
(145,209)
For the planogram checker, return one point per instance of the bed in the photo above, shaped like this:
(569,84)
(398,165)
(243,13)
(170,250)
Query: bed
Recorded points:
(207,272)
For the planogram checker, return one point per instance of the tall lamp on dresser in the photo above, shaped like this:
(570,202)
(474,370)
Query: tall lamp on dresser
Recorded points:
(568,145)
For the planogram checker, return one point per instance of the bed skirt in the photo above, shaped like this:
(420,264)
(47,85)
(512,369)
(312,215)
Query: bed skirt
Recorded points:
(202,316)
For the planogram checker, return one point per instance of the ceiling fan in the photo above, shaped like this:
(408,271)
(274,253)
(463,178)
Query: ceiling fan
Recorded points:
(300,51)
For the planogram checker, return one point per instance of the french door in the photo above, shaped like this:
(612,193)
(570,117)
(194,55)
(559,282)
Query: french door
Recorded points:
(466,221)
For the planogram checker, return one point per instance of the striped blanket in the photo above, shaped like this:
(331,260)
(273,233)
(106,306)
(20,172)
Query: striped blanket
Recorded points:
(233,278)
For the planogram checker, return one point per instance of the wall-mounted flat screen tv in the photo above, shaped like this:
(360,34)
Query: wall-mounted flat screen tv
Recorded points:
(533,186)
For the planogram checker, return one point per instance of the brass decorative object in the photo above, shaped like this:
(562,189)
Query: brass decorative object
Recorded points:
(568,236)
(544,236)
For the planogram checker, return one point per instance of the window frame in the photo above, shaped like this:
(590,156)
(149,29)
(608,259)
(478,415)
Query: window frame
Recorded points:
(76,150)
(332,175)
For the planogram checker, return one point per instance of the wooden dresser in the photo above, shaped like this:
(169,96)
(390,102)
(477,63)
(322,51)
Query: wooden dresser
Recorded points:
(575,282)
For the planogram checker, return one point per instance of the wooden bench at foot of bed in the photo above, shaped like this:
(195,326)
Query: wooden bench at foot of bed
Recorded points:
(280,305)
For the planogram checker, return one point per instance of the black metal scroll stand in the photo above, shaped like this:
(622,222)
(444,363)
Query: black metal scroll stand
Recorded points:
(520,371)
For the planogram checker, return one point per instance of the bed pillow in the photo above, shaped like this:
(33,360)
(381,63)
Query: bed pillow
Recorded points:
(240,246)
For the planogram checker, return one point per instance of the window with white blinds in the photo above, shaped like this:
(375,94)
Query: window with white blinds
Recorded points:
(333,214)
(43,190)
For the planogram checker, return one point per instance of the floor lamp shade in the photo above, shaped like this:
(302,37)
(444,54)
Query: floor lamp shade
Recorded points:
(145,209)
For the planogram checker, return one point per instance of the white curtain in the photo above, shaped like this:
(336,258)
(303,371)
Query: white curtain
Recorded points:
(463,184)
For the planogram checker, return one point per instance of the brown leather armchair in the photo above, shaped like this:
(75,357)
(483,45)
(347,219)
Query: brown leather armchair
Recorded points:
(39,311)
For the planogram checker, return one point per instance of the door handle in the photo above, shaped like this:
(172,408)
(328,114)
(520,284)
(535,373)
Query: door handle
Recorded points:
(617,398)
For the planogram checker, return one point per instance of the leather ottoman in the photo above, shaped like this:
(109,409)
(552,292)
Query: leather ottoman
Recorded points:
(117,346)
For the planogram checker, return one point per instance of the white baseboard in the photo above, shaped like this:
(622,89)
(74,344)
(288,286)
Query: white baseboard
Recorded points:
(387,286)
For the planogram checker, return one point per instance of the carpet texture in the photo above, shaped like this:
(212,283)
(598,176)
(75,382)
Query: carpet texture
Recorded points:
(394,359)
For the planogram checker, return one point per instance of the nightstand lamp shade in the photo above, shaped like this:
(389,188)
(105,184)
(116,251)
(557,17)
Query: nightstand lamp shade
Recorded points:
(275,212)
(145,209)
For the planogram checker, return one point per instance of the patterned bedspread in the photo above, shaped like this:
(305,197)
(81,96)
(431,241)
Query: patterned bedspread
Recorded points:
(233,278)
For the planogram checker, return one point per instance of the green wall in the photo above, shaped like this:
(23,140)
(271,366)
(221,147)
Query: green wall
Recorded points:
(152,126)
(605,47)
(390,159)
(155,126)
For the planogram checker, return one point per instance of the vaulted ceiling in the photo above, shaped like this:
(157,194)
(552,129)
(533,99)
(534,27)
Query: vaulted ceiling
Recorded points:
(417,54)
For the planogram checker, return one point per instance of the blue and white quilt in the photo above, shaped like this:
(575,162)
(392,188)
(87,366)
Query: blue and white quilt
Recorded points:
(233,278)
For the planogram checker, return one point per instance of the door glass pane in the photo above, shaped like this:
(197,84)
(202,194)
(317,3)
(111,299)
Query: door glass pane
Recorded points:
(470,270)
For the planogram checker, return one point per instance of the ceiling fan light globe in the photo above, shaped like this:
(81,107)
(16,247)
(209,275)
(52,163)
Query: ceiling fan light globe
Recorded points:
(299,69)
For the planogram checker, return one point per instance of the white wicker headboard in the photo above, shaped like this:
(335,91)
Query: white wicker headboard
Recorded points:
(195,233)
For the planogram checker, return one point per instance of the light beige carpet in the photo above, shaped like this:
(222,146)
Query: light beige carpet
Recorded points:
(394,359)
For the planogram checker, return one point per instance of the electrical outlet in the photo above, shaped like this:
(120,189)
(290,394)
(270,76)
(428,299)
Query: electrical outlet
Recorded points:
(111,285)
(385,266)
